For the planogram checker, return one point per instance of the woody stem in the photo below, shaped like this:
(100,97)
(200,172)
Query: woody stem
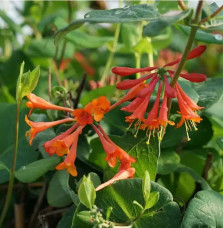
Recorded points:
(186,51)
(12,172)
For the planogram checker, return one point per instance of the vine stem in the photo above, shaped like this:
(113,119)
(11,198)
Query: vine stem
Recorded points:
(12,172)
(212,15)
(111,55)
(186,51)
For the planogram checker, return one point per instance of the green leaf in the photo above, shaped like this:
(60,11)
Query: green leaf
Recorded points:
(209,91)
(203,36)
(35,170)
(121,195)
(146,186)
(57,195)
(26,153)
(153,199)
(204,210)
(133,13)
(93,94)
(86,192)
(175,136)
(155,27)
(46,49)
(220,142)
(26,82)
(79,38)
(130,34)
(192,173)
(4,167)
(66,220)
(163,40)
(168,162)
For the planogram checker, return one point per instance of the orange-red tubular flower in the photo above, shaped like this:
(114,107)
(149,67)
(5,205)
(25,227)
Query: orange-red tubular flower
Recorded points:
(192,77)
(113,151)
(194,53)
(128,84)
(62,145)
(121,175)
(188,115)
(125,71)
(100,106)
(132,93)
(37,127)
(68,162)
(84,116)
(38,102)
(50,147)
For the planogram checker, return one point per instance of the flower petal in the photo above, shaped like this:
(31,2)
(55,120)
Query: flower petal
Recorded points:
(125,71)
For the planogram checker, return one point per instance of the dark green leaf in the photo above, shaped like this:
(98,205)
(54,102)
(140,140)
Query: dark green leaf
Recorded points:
(144,12)
(177,136)
(122,200)
(197,178)
(204,210)
(155,27)
(46,49)
(86,192)
(57,195)
(146,155)
(26,153)
(209,91)
(35,170)
(66,220)
(168,162)
(220,142)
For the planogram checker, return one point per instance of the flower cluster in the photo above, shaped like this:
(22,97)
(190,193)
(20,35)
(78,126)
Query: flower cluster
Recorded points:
(140,90)
(66,143)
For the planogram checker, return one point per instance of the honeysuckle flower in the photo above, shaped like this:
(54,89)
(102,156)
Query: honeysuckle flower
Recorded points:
(37,127)
(123,173)
(100,106)
(187,110)
(38,102)
(50,146)
(68,162)
(113,151)
(83,116)
(156,120)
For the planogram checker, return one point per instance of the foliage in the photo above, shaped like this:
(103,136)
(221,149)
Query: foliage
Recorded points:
(67,60)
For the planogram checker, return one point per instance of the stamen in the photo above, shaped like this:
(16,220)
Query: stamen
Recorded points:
(129,126)
(147,142)
(138,126)
(194,125)
(161,133)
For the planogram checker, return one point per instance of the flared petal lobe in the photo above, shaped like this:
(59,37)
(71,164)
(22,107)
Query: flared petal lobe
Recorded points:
(37,127)
(49,146)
